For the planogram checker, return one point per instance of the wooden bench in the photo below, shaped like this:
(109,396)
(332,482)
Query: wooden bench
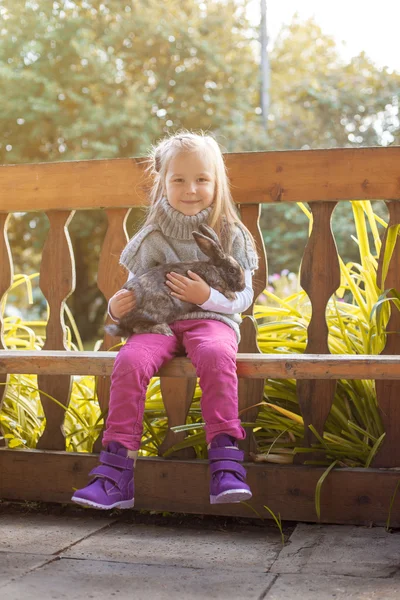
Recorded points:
(320,177)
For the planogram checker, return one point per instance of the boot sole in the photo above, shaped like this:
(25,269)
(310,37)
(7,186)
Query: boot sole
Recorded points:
(231,496)
(122,504)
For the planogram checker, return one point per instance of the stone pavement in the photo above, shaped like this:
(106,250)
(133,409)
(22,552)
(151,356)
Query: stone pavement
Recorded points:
(79,554)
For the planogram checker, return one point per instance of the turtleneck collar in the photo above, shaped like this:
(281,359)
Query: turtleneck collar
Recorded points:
(177,225)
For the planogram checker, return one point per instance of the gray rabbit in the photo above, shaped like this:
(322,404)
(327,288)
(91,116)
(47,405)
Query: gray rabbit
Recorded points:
(155,307)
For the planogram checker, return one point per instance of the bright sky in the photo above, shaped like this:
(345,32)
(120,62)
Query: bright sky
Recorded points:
(356,25)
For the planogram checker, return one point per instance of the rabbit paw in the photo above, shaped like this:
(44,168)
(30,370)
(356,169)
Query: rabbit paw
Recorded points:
(162,328)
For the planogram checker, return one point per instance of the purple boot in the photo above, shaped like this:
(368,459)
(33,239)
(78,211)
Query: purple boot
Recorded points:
(112,486)
(228,476)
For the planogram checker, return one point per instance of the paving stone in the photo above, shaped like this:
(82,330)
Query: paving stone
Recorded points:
(341,550)
(44,534)
(85,579)
(15,564)
(247,550)
(320,587)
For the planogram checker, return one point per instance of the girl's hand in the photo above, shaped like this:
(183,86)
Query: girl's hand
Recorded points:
(121,303)
(194,290)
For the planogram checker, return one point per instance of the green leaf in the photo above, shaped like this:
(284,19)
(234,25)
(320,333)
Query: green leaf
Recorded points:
(319,486)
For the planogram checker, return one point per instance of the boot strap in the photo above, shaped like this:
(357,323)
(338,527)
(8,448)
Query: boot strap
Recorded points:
(107,473)
(228,465)
(115,460)
(225,454)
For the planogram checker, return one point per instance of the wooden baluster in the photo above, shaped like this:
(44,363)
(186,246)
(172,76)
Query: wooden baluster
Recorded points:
(388,390)
(177,395)
(111,276)
(57,282)
(6,279)
(320,278)
(251,391)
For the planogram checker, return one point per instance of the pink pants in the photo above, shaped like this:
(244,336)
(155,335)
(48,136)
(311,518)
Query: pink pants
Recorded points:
(211,346)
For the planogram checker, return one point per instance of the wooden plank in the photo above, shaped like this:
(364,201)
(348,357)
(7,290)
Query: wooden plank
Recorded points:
(279,366)
(358,496)
(279,176)
(320,278)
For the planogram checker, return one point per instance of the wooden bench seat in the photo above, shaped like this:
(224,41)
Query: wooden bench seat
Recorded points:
(249,366)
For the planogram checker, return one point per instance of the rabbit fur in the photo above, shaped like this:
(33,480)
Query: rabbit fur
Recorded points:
(155,307)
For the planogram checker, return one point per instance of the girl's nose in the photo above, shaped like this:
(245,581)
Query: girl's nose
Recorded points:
(191,188)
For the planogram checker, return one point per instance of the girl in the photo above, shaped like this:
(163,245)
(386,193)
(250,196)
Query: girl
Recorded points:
(190,187)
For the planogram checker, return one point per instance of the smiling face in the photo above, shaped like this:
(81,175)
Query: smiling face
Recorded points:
(190,183)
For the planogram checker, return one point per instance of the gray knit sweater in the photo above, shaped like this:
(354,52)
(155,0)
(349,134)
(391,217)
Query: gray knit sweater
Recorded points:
(170,240)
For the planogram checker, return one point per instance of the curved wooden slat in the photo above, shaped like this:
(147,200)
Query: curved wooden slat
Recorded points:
(6,278)
(320,278)
(57,282)
(111,276)
(251,392)
(388,392)
(250,216)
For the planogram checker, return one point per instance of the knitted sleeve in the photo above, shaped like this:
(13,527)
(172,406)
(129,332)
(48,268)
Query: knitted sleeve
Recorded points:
(138,255)
(243,249)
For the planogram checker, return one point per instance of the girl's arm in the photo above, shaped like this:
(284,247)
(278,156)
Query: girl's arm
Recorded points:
(217,302)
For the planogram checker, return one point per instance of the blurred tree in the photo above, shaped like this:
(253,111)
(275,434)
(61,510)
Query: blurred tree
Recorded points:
(318,101)
(99,79)
(106,78)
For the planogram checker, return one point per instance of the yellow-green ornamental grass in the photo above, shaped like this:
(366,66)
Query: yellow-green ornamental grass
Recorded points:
(356,317)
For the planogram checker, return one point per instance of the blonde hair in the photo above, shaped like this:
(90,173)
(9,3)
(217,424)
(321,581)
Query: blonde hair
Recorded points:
(224,213)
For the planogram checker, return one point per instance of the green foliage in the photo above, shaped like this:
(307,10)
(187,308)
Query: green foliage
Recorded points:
(319,486)
(21,418)
(353,431)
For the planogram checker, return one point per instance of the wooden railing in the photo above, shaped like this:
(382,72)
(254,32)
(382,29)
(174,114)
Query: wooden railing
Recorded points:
(320,177)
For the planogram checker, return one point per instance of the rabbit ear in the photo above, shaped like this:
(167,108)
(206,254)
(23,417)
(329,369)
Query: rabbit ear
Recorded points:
(208,246)
(209,232)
